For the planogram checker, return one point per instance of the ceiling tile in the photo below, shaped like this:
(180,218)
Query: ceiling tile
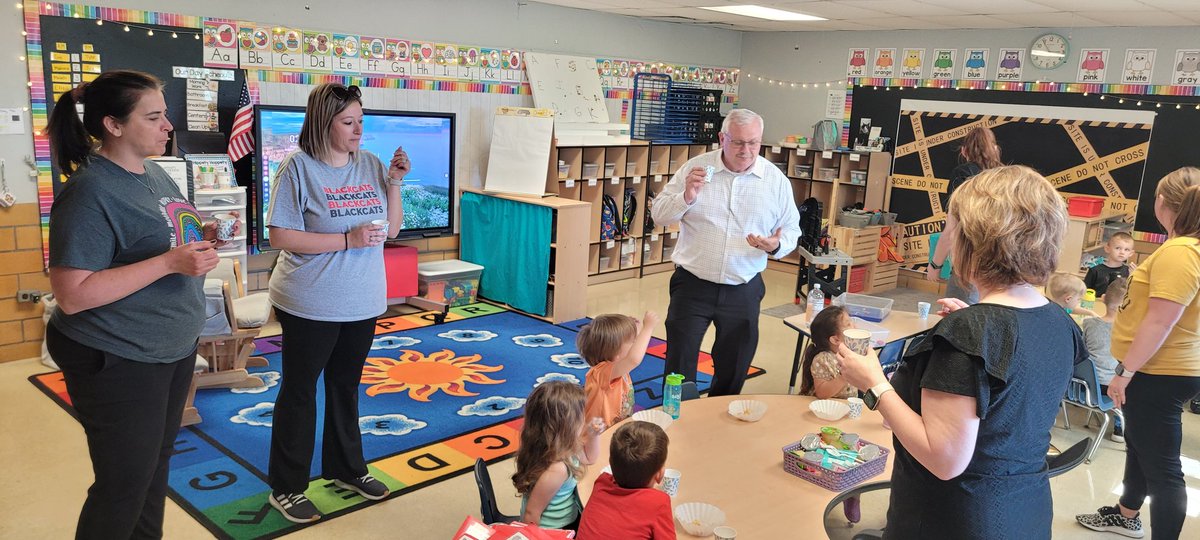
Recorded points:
(829,10)
(968,21)
(1085,6)
(1171,4)
(986,7)
(1048,20)
(901,23)
(901,7)
(1139,18)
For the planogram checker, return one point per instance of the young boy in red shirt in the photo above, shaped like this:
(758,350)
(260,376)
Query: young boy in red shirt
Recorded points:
(625,504)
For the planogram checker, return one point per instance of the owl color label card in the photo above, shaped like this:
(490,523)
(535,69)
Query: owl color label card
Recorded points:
(1138,66)
(1187,67)
(975,64)
(220,45)
(1009,64)
(285,48)
(943,64)
(254,46)
(912,63)
(1093,65)
(885,63)
(856,65)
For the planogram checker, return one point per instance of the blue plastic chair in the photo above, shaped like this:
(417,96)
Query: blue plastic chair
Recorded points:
(1084,392)
(889,356)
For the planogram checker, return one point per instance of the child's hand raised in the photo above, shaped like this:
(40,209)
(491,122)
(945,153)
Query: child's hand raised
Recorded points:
(596,426)
(650,319)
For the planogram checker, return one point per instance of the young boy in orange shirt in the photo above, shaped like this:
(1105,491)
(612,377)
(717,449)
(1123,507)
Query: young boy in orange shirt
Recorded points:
(613,345)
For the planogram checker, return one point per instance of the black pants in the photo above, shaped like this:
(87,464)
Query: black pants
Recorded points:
(310,347)
(695,303)
(130,413)
(1153,435)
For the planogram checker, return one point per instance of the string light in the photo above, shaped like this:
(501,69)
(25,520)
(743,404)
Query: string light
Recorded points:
(127,28)
(99,22)
(174,35)
(791,84)
(149,32)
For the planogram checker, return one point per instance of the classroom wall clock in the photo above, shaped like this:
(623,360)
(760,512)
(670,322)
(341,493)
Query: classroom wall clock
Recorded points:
(1049,51)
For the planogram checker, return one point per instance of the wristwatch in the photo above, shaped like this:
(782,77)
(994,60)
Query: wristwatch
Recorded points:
(936,266)
(1122,372)
(871,397)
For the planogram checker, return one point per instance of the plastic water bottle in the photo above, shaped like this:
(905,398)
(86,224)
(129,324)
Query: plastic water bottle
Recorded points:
(673,395)
(1089,299)
(816,302)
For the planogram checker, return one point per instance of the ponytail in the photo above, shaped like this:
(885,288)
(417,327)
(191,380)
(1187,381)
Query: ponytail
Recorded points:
(1187,221)
(1180,191)
(69,140)
(113,93)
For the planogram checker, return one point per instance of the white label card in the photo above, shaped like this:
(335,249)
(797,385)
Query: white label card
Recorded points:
(610,244)
(591,182)
(828,154)
(637,180)
(675,234)
(776,149)
(654,237)
(615,181)
(570,183)
(855,157)
(801,152)
(657,178)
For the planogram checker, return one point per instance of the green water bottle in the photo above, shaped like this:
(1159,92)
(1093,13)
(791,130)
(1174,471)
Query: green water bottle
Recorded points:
(673,395)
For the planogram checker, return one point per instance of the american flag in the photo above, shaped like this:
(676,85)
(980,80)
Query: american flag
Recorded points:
(241,139)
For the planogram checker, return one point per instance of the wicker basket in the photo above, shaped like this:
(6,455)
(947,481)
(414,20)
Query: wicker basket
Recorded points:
(833,481)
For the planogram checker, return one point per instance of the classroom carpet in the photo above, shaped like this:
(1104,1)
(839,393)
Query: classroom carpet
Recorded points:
(433,398)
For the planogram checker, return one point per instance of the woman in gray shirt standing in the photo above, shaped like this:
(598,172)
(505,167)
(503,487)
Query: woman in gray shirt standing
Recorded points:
(327,289)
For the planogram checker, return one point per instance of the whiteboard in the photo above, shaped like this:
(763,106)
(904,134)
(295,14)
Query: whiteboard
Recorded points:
(568,84)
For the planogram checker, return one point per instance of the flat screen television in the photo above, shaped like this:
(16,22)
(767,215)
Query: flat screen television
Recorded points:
(428,137)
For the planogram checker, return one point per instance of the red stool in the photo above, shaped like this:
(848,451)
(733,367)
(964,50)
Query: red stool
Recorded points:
(400,264)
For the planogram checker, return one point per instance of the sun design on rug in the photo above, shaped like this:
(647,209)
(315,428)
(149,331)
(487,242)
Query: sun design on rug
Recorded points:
(422,376)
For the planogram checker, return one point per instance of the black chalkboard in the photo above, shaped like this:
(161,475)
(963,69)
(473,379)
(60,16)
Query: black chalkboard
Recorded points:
(134,49)
(1172,143)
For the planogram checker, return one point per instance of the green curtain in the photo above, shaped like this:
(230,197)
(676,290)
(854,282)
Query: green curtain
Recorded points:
(511,240)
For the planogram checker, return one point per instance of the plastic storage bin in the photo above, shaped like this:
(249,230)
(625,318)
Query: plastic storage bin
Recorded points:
(871,308)
(1085,206)
(831,480)
(590,170)
(858,178)
(451,281)
(827,173)
(804,171)
(854,221)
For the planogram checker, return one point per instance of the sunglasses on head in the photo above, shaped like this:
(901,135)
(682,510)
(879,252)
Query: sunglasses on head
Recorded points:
(345,93)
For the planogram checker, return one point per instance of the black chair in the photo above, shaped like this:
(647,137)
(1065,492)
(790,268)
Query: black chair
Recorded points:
(688,391)
(1055,465)
(487,496)
(1069,459)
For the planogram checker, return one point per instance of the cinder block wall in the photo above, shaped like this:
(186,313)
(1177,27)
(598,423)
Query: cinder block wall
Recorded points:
(21,326)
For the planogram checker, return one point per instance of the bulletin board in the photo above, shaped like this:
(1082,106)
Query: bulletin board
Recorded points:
(77,49)
(1168,148)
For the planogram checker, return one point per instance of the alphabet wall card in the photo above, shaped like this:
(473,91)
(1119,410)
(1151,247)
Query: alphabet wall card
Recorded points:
(885,63)
(975,64)
(446,59)
(254,46)
(943,64)
(1009,64)
(398,57)
(468,63)
(318,52)
(1093,65)
(856,64)
(373,55)
(570,85)
(345,54)
(912,63)
(1138,67)
(422,52)
(285,48)
(514,67)
(1187,67)
(220,44)
(490,65)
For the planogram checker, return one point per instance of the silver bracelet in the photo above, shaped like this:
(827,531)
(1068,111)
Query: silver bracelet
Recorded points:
(395,182)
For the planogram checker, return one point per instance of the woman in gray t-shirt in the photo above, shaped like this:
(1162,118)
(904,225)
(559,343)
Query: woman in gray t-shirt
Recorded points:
(128,254)
(331,204)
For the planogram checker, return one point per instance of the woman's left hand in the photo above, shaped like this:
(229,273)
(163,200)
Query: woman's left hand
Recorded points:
(860,371)
(399,165)
(1116,390)
(210,229)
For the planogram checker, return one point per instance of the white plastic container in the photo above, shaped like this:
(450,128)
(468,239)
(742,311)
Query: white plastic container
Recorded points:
(451,281)
(879,334)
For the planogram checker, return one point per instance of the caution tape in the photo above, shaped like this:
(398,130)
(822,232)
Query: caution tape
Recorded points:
(1089,155)
(907,181)
(1122,158)
(924,143)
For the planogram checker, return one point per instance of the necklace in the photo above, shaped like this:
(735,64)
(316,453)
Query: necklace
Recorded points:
(130,173)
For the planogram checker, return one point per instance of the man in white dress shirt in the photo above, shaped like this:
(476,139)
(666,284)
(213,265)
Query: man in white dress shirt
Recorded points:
(728,226)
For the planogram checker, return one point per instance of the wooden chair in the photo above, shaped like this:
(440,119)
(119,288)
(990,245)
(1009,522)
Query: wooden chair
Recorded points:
(228,354)
(252,310)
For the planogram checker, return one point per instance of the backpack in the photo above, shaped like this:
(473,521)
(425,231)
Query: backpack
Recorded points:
(825,135)
(630,210)
(609,224)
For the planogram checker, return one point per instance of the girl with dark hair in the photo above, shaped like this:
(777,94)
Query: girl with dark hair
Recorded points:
(979,152)
(820,375)
(127,253)
(331,207)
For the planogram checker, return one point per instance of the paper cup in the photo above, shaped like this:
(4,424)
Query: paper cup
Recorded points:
(856,407)
(725,533)
(857,340)
(923,310)
(670,482)
(382,223)
(225,224)
(708,173)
